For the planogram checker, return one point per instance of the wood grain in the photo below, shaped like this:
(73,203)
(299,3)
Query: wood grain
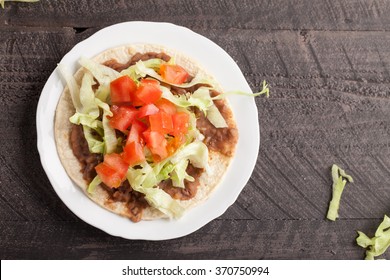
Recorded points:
(328,66)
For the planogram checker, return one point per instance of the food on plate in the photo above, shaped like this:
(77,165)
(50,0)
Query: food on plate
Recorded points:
(144,131)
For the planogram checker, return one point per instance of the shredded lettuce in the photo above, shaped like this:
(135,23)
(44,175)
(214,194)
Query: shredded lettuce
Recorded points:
(264,90)
(103,74)
(92,186)
(179,174)
(144,180)
(2,2)
(94,145)
(110,140)
(162,201)
(87,97)
(72,86)
(215,117)
(377,245)
(196,152)
(339,178)
(85,119)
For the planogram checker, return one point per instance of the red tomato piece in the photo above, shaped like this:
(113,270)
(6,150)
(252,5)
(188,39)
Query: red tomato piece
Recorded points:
(116,162)
(174,74)
(136,130)
(123,117)
(121,90)
(157,144)
(108,175)
(166,106)
(149,109)
(112,171)
(133,153)
(161,122)
(148,91)
(180,123)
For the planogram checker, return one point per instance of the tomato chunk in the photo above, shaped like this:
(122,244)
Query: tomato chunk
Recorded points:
(116,162)
(157,144)
(174,74)
(161,122)
(108,175)
(180,123)
(121,90)
(112,171)
(166,106)
(148,91)
(123,117)
(149,109)
(133,153)
(136,130)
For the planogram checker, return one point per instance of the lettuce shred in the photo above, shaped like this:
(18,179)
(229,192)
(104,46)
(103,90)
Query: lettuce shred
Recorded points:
(2,2)
(377,245)
(340,179)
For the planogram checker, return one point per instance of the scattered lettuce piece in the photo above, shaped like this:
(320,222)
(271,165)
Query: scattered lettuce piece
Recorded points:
(377,245)
(3,1)
(339,178)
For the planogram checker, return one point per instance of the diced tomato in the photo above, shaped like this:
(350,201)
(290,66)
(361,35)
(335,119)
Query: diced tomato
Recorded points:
(180,123)
(121,90)
(133,153)
(166,106)
(174,74)
(157,144)
(123,117)
(108,175)
(112,171)
(136,130)
(148,91)
(149,109)
(161,122)
(116,162)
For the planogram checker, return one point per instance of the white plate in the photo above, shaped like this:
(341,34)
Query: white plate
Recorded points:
(214,59)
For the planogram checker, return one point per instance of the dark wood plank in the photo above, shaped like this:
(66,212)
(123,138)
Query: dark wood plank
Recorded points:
(221,239)
(254,15)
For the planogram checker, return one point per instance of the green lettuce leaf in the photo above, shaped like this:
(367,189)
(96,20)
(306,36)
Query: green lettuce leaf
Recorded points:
(377,245)
(92,186)
(339,178)
(110,140)
(94,145)
(264,90)
(103,74)
(196,152)
(28,1)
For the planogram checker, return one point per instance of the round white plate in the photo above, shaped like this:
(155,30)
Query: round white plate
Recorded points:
(211,57)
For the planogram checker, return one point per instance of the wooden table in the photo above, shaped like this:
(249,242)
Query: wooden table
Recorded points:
(328,65)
